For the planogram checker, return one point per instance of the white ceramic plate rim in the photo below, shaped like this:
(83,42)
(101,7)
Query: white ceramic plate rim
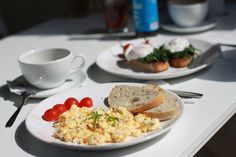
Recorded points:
(206,25)
(107,60)
(43,130)
(73,80)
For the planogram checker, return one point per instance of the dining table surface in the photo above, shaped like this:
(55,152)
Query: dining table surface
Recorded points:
(199,120)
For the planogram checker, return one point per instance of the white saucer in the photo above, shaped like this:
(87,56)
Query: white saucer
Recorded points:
(74,80)
(209,23)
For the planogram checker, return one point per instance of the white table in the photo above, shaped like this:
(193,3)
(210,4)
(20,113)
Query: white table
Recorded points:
(199,122)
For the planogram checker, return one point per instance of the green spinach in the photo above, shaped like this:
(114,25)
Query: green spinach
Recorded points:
(158,55)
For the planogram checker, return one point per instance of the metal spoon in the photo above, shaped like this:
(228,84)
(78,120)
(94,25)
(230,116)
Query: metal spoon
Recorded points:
(25,93)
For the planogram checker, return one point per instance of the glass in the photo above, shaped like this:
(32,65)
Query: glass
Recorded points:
(116,14)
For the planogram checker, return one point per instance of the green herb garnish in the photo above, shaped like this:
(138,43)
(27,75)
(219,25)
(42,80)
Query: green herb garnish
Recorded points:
(95,117)
(189,51)
(113,120)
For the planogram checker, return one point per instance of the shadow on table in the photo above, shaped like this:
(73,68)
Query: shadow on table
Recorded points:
(224,69)
(98,75)
(7,95)
(15,98)
(36,147)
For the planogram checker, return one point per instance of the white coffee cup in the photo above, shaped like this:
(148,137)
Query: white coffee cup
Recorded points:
(188,13)
(49,68)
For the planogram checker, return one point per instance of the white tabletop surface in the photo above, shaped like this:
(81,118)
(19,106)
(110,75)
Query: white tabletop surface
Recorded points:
(199,122)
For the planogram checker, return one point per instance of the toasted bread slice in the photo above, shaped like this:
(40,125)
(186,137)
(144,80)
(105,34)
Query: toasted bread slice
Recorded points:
(181,62)
(167,110)
(135,99)
(152,67)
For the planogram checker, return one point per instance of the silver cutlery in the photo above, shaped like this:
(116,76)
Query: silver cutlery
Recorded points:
(21,89)
(181,93)
(187,94)
(226,44)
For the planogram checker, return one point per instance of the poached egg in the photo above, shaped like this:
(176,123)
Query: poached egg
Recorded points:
(138,51)
(177,44)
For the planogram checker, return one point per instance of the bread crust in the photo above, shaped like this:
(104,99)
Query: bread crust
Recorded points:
(162,116)
(181,62)
(154,103)
(153,67)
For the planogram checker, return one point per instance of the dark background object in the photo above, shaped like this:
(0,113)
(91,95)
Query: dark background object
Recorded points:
(18,15)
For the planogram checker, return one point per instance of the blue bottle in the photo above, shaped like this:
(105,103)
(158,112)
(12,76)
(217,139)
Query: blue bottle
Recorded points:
(146,19)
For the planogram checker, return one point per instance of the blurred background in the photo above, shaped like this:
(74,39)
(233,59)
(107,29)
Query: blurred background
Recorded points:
(16,15)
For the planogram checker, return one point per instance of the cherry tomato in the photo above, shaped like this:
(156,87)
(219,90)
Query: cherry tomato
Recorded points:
(60,108)
(51,115)
(87,102)
(126,46)
(71,100)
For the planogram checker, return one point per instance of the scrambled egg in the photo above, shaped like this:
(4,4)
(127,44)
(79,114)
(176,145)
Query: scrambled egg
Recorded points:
(98,126)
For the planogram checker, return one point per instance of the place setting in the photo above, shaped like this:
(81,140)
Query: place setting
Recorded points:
(46,72)
(109,115)
(104,116)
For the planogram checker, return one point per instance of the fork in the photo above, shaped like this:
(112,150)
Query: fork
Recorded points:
(25,93)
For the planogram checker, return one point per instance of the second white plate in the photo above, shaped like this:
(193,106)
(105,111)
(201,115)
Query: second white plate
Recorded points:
(110,61)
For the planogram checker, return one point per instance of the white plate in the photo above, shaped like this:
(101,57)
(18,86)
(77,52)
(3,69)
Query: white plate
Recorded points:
(43,130)
(204,26)
(109,61)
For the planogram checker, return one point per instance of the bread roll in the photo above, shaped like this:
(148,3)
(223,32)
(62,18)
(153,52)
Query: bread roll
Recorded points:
(152,67)
(135,99)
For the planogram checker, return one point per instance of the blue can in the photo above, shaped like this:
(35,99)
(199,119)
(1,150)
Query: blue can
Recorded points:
(145,13)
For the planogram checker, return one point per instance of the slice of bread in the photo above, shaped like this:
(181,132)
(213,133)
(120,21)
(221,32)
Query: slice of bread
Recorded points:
(167,110)
(181,62)
(152,67)
(136,99)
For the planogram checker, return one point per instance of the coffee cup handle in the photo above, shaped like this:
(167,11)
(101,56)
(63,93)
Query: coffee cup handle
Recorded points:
(79,67)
